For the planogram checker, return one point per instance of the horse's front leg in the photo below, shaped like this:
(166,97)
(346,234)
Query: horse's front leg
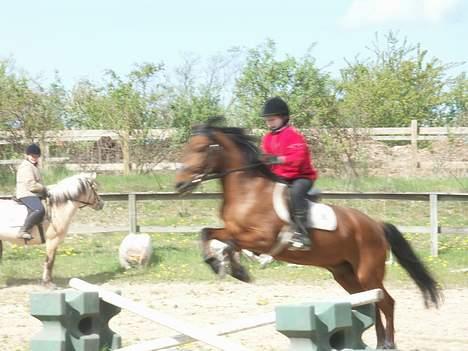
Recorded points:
(209,256)
(237,270)
(51,251)
(212,259)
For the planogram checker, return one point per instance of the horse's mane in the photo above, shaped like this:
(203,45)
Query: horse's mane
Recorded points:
(246,143)
(69,189)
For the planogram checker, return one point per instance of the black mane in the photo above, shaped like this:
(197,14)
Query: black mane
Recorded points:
(246,143)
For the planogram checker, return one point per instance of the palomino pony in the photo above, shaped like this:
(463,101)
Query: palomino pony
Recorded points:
(65,198)
(354,252)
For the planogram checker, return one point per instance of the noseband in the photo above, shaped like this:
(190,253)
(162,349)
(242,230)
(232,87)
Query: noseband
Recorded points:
(84,203)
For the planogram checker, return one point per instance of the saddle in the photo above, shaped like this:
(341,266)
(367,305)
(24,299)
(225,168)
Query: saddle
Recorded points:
(14,214)
(320,216)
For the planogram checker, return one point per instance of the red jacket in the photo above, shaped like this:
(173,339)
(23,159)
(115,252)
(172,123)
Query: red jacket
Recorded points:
(292,146)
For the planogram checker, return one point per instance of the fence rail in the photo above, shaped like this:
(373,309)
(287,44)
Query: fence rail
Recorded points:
(412,133)
(432,198)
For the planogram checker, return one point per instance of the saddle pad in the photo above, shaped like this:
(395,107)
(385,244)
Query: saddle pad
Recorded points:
(13,215)
(320,216)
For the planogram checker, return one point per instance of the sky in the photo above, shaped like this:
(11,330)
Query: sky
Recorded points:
(82,38)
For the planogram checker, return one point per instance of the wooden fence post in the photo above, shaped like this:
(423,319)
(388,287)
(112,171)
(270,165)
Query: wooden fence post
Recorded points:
(44,145)
(414,142)
(132,214)
(434,225)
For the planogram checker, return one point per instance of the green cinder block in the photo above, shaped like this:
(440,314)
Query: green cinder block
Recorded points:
(84,302)
(47,304)
(107,336)
(325,326)
(51,338)
(363,319)
(73,321)
(296,320)
(334,315)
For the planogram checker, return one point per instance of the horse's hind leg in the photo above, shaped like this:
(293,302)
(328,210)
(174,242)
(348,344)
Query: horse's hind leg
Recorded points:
(371,276)
(345,276)
(387,306)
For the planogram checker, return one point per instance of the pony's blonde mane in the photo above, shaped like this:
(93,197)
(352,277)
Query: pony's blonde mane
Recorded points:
(70,188)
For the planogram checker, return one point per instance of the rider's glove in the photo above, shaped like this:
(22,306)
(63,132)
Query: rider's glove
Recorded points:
(272,159)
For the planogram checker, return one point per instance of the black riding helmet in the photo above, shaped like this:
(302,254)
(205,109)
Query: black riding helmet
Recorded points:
(276,107)
(33,149)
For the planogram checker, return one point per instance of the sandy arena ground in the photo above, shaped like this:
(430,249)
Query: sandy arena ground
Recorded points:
(217,302)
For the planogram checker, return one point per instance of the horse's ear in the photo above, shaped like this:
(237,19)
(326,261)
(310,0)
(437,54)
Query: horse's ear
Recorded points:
(91,175)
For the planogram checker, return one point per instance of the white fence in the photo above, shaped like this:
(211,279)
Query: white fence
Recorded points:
(412,133)
(431,198)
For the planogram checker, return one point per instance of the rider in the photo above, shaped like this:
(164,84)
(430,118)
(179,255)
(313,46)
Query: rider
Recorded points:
(30,189)
(287,152)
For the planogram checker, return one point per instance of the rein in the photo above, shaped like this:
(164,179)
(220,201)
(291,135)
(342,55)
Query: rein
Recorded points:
(84,203)
(225,173)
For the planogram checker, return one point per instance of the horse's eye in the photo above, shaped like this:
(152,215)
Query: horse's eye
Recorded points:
(201,148)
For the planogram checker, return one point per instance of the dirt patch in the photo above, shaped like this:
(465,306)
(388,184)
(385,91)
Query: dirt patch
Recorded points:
(442,158)
(211,303)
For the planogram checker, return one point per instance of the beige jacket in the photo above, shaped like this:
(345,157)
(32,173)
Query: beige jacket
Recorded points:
(28,180)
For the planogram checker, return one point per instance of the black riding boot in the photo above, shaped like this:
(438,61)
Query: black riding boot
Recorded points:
(301,237)
(33,218)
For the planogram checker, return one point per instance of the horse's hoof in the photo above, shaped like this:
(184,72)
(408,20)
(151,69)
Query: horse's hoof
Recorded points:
(242,275)
(389,346)
(49,285)
(214,263)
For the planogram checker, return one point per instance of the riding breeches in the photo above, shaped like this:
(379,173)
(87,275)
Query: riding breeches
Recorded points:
(36,211)
(298,189)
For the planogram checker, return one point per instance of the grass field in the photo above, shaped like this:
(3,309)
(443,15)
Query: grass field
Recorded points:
(164,181)
(176,256)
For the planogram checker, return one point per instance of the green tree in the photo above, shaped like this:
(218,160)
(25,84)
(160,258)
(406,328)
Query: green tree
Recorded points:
(306,89)
(195,95)
(29,109)
(456,108)
(128,106)
(395,86)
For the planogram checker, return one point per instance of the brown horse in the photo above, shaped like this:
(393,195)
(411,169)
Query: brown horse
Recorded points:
(355,252)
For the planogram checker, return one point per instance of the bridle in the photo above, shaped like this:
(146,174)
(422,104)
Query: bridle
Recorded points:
(84,203)
(210,174)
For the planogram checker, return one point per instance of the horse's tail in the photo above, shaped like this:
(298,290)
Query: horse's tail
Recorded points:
(407,258)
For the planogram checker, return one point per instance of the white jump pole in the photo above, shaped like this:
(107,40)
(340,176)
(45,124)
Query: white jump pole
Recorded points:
(158,317)
(238,325)
(224,329)
(365,297)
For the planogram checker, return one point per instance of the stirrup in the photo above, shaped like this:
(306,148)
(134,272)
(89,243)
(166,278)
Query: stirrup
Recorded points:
(25,235)
(299,242)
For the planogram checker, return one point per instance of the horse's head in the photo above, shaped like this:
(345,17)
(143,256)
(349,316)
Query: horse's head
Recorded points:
(214,152)
(202,157)
(91,196)
(81,188)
